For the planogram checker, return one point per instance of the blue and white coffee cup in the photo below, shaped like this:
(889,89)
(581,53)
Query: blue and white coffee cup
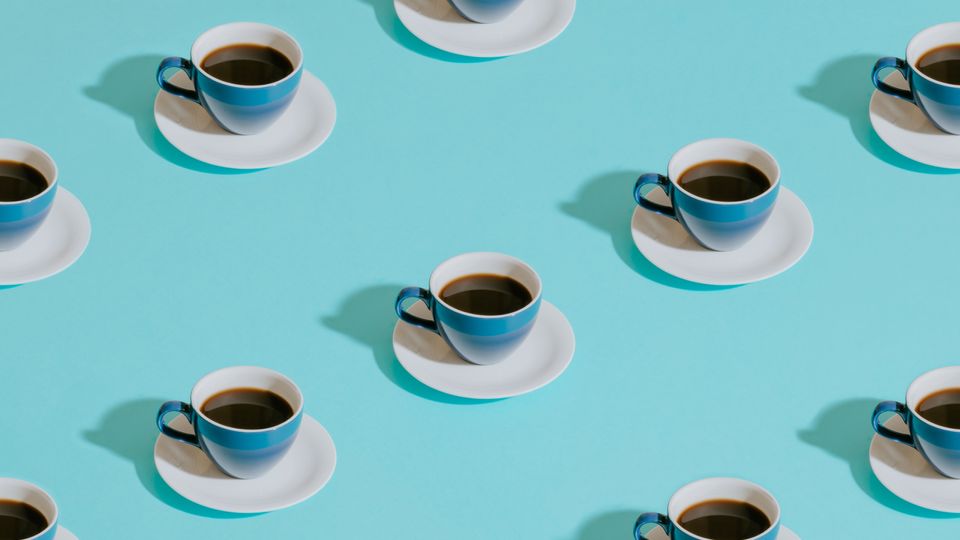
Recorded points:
(241,109)
(706,490)
(22,491)
(939,445)
(716,225)
(479,339)
(938,100)
(19,220)
(240,453)
(485,11)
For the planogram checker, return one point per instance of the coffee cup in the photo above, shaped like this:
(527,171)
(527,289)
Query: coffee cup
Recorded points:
(244,74)
(721,190)
(33,508)
(483,304)
(28,186)
(696,508)
(485,11)
(932,415)
(244,418)
(938,98)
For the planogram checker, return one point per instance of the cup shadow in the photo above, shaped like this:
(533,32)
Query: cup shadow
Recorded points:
(128,86)
(392,26)
(843,86)
(843,430)
(608,525)
(367,317)
(129,432)
(606,202)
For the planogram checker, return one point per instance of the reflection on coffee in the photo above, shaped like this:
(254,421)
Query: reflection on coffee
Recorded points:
(486,294)
(942,63)
(247,408)
(19,520)
(247,64)
(724,519)
(19,181)
(942,408)
(724,181)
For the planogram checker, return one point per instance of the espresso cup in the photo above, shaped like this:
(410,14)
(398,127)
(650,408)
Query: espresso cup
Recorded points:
(716,225)
(710,489)
(479,339)
(938,100)
(485,11)
(19,220)
(939,445)
(240,453)
(12,489)
(241,109)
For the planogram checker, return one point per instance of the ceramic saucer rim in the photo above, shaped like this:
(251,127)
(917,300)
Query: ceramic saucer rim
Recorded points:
(561,320)
(308,79)
(500,53)
(66,198)
(753,277)
(64,533)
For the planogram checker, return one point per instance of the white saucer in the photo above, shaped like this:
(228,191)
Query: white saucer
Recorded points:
(782,242)
(533,24)
(785,534)
(64,534)
(301,130)
(544,355)
(908,475)
(302,473)
(905,128)
(57,244)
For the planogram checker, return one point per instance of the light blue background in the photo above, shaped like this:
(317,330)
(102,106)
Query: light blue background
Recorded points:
(295,268)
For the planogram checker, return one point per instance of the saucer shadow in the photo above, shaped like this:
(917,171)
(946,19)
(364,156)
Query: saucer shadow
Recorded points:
(843,430)
(5,287)
(367,317)
(606,202)
(844,87)
(129,431)
(609,525)
(129,87)
(393,27)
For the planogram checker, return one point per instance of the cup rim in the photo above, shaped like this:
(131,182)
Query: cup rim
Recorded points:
(676,519)
(916,37)
(529,305)
(912,406)
(44,155)
(52,523)
(675,182)
(196,408)
(197,62)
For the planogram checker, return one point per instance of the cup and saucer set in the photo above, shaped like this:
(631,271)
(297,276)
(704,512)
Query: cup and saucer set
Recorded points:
(486,28)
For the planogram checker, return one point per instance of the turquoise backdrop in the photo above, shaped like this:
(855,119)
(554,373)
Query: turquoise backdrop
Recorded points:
(192,268)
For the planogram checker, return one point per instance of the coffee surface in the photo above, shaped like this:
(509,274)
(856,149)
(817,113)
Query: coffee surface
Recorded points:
(942,408)
(247,64)
(19,520)
(725,181)
(942,63)
(19,181)
(724,519)
(486,294)
(247,408)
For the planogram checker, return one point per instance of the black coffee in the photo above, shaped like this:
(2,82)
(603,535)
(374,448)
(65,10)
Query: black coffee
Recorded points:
(942,63)
(725,181)
(724,519)
(19,181)
(247,64)
(486,294)
(247,408)
(19,520)
(942,408)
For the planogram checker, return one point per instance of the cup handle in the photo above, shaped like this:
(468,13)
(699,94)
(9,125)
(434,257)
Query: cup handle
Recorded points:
(652,518)
(419,294)
(882,430)
(663,183)
(181,408)
(891,62)
(178,63)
